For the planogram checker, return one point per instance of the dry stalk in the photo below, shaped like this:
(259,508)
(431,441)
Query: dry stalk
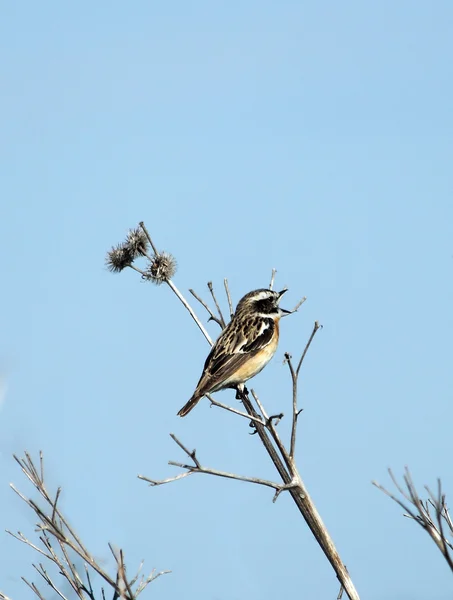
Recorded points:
(57,539)
(437,525)
(264,425)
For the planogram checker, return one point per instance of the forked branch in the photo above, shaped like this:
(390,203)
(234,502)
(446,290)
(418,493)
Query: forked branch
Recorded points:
(294,379)
(196,467)
(438,525)
(57,538)
(264,426)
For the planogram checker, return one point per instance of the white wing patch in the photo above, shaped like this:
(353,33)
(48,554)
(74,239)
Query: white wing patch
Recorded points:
(240,348)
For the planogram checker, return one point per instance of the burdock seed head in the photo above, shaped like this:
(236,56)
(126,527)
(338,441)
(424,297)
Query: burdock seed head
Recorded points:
(161,269)
(119,257)
(137,242)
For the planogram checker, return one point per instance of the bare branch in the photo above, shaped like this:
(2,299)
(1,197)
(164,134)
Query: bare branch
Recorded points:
(259,405)
(134,268)
(226,475)
(175,290)
(271,283)
(142,225)
(55,503)
(33,587)
(421,513)
(227,291)
(233,410)
(41,570)
(196,467)
(211,289)
(20,536)
(55,526)
(282,459)
(155,482)
(310,339)
(212,316)
(190,454)
(271,427)
(294,379)
(296,308)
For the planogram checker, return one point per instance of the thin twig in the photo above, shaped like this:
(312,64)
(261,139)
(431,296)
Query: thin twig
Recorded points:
(233,410)
(310,339)
(33,587)
(134,268)
(294,379)
(190,454)
(225,474)
(228,295)
(211,289)
(296,308)
(259,405)
(41,570)
(126,582)
(271,284)
(41,464)
(20,536)
(281,447)
(198,468)
(212,316)
(156,482)
(145,231)
(55,503)
(175,290)
(56,526)
(422,514)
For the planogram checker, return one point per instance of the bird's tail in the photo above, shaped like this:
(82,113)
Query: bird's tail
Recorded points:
(185,410)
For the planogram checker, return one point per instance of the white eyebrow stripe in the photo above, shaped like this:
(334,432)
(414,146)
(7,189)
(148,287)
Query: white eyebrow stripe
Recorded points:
(263,295)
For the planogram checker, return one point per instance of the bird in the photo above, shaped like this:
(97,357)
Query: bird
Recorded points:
(244,347)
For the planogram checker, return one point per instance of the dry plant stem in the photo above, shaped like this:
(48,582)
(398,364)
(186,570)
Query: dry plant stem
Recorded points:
(54,530)
(212,316)
(421,514)
(228,295)
(145,231)
(306,507)
(226,475)
(33,587)
(272,281)
(50,583)
(211,289)
(198,468)
(299,494)
(56,527)
(294,378)
(233,410)
(174,289)
(271,428)
(296,308)
(156,482)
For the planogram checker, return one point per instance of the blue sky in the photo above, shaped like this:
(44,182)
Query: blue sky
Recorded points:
(316,138)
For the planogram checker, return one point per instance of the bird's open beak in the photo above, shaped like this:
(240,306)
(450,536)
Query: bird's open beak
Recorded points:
(280,294)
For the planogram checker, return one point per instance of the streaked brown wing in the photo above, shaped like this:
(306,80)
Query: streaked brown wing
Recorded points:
(231,352)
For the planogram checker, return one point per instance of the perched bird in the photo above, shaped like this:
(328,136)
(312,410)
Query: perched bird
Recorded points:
(244,347)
